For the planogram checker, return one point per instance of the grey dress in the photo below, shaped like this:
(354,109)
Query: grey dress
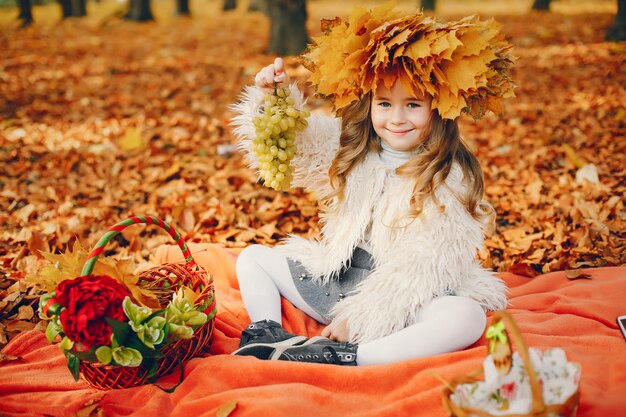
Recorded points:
(322,298)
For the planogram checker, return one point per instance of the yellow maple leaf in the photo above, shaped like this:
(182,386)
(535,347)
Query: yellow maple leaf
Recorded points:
(62,266)
(478,35)
(187,293)
(123,271)
(141,295)
(439,43)
(453,43)
(418,49)
(461,74)
(69,265)
(449,103)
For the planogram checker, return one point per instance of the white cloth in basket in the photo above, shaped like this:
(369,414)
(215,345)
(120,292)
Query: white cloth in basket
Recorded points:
(510,394)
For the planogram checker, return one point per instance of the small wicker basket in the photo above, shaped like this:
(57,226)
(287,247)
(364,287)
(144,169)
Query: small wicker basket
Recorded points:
(539,407)
(170,276)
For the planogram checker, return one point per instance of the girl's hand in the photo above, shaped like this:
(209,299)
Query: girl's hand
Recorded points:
(273,73)
(337,331)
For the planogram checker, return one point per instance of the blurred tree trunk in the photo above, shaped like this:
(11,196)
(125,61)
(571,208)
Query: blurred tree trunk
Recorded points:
(182,8)
(73,8)
(66,8)
(79,8)
(230,5)
(541,5)
(26,13)
(255,6)
(429,4)
(617,32)
(288,34)
(139,11)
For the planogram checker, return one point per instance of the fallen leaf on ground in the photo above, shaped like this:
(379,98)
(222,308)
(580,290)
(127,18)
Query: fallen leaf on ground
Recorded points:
(226,409)
(577,274)
(9,358)
(91,409)
(25,313)
(523,270)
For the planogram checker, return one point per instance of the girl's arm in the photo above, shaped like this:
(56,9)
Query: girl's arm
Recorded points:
(316,145)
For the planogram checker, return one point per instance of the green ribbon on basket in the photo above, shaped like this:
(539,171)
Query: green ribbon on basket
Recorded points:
(496,333)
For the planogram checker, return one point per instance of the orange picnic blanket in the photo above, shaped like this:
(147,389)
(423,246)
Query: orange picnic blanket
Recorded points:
(551,311)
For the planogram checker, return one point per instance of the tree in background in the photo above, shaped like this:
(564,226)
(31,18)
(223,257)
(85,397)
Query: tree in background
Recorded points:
(288,34)
(139,11)
(428,4)
(230,5)
(253,6)
(617,32)
(26,13)
(182,8)
(73,8)
(541,5)
(79,8)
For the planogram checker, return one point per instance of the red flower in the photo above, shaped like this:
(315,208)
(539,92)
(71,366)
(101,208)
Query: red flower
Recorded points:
(87,301)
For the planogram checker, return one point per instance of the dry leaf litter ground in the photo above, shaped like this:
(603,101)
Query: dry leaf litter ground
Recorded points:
(102,119)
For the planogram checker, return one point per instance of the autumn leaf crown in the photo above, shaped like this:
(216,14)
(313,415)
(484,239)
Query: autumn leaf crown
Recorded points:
(463,65)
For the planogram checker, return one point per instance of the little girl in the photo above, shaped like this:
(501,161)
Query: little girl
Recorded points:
(394,275)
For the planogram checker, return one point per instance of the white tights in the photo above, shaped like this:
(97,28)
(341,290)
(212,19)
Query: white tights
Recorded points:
(446,324)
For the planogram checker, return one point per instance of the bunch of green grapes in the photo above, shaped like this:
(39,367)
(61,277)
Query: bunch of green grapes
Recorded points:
(274,144)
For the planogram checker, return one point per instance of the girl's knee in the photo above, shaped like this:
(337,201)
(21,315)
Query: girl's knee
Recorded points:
(249,254)
(472,319)
(252,250)
(247,261)
(469,307)
(461,313)
(475,313)
(257,260)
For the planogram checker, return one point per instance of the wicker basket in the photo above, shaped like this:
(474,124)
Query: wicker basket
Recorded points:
(539,408)
(163,276)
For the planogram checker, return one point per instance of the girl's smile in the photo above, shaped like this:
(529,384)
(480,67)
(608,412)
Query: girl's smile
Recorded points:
(401,120)
(401,132)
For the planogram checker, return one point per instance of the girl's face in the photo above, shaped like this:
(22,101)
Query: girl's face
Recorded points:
(400,119)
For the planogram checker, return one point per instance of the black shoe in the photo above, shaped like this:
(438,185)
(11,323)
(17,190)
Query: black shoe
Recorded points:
(318,350)
(264,331)
(260,339)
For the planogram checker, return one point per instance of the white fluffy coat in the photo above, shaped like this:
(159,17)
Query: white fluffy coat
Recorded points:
(415,259)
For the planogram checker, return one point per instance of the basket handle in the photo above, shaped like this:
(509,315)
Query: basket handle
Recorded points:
(514,332)
(113,231)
